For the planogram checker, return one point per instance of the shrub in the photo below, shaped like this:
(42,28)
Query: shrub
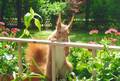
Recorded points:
(106,64)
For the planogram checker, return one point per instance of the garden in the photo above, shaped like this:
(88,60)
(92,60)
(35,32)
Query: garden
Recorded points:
(96,22)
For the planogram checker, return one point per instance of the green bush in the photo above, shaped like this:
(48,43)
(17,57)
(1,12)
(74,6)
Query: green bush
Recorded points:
(106,64)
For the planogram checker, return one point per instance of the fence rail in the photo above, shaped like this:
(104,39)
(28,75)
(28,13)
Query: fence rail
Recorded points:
(70,44)
(94,47)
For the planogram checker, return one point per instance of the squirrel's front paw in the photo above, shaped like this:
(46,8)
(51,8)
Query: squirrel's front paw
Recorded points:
(53,40)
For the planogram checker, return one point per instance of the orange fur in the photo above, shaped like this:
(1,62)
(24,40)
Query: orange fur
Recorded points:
(39,53)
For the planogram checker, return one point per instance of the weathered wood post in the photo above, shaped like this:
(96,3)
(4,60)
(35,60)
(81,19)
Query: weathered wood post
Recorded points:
(53,62)
(20,59)
(94,71)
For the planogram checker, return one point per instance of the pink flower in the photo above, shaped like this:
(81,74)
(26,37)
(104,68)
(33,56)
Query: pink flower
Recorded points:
(15,30)
(111,30)
(2,23)
(4,33)
(94,31)
(113,40)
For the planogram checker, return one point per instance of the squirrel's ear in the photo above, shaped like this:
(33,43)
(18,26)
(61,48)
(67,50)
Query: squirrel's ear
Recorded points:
(58,24)
(71,21)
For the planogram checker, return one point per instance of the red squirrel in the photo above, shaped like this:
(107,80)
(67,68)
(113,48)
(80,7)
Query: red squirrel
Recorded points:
(38,55)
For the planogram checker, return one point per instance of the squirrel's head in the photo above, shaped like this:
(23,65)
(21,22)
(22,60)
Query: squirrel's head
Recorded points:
(61,32)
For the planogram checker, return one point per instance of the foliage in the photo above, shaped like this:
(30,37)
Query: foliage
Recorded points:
(7,58)
(53,8)
(106,64)
(79,58)
(105,13)
(8,55)
(9,8)
(28,19)
(48,8)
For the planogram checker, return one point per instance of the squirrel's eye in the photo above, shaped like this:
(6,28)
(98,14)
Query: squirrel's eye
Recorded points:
(59,32)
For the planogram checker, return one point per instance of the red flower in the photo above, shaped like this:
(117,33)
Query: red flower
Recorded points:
(94,31)
(15,30)
(2,23)
(111,30)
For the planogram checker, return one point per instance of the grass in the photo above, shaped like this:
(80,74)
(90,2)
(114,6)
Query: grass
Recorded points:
(85,37)
(74,36)
(42,34)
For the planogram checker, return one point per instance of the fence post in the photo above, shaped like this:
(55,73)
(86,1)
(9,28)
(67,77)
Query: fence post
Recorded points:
(94,53)
(94,71)
(53,62)
(19,59)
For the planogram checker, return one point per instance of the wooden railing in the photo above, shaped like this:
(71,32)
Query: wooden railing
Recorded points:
(93,47)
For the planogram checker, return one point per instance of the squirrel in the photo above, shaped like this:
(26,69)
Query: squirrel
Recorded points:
(38,56)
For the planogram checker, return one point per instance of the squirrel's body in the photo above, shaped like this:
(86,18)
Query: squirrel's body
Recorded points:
(39,55)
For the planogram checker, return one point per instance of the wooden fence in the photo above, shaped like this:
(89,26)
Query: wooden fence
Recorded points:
(93,47)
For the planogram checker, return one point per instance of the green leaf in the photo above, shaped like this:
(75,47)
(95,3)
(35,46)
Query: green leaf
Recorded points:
(37,23)
(0,44)
(26,32)
(27,19)
(32,11)
(38,16)
(80,67)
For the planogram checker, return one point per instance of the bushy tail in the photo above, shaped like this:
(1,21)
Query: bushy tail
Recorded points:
(37,57)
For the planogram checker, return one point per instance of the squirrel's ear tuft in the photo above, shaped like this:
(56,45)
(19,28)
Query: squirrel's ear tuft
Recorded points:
(58,24)
(70,23)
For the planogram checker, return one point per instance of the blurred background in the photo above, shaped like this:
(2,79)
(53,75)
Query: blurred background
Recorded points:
(98,14)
